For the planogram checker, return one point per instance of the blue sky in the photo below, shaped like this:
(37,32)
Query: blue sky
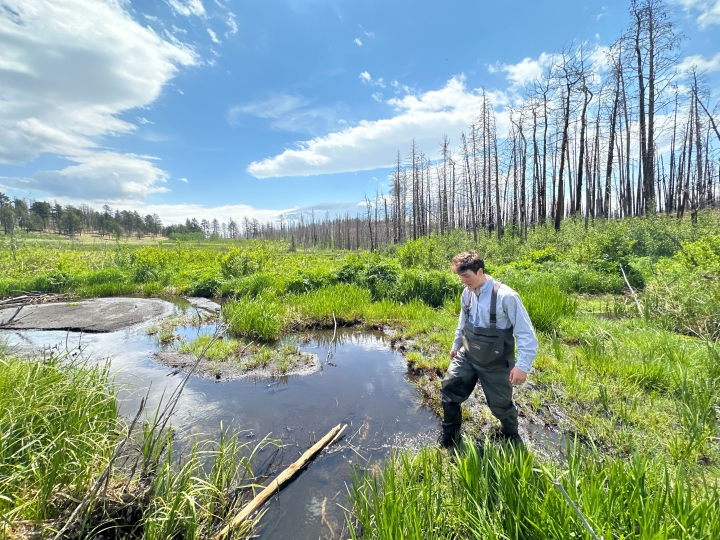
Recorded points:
(228,108)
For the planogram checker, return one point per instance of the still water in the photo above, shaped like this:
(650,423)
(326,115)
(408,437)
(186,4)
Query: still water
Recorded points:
(365,386)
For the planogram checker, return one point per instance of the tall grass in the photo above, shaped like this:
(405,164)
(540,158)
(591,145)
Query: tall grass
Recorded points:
(192,497)
(349,303)
(57,430)
(505,493)
(262,317)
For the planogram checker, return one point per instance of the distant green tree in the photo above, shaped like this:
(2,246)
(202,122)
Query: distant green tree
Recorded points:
(71,221)
(7,218)
(22,213)
(43,211)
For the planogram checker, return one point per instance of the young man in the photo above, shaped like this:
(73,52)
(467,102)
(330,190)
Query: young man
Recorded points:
(492,322)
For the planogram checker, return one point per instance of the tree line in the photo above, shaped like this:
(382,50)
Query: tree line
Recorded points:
(602,133)
(39,216)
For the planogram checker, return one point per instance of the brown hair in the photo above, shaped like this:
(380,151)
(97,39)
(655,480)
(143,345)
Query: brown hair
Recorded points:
(469,260)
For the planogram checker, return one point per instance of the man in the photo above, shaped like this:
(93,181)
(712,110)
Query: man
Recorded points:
(492,321)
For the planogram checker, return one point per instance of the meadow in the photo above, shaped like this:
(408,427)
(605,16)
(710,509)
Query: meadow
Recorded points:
(635,375)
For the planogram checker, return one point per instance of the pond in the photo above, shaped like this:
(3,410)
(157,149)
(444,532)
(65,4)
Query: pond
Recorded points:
(365,386)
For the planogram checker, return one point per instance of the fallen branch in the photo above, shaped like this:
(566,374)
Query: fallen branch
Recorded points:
(274,486)
(637,302)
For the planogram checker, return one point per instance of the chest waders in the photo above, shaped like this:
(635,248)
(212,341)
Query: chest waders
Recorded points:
(487,355)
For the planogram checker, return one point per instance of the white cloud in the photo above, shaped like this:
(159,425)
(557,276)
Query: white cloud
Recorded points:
(358,42)
(377,96)
(184,180)
(286,112)
(525,71)
(367,79)
(100,176)
(143,120)
(709,11)
(69,68)
(701,63)
(213,36)
(231,24)
(374,144)
(187,7)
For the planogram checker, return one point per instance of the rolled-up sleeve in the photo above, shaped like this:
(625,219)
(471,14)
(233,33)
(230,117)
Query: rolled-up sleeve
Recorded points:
(525,338)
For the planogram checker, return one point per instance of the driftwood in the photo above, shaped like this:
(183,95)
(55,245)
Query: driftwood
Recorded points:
(274,486)
(30,298)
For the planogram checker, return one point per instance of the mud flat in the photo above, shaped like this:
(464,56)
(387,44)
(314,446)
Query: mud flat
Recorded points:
(100,315)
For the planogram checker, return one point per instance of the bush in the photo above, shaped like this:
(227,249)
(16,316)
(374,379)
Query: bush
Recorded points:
(206,285)
(246,260)
(432,287)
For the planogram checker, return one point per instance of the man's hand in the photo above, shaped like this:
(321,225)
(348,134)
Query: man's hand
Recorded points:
(453,353)
(517,376)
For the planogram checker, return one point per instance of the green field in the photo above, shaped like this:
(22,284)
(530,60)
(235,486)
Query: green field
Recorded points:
(637,378)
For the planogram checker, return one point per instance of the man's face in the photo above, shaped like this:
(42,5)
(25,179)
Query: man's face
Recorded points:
(472,279)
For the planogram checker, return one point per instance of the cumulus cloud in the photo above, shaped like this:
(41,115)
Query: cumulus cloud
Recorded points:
(100,176)
(358,42)
(374,144)
(178,213)
(69,68)
(699,62)
(525,71)
(709,11)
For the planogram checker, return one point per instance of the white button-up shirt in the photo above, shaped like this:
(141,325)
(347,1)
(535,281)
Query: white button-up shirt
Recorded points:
(509,312)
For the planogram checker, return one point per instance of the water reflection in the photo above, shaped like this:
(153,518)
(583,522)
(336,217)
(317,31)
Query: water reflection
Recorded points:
(364,385)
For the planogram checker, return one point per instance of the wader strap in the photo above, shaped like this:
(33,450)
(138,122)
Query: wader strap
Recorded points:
(493,304)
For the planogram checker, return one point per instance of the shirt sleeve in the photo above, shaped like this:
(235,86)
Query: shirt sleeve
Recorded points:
(525,338)
(457,343)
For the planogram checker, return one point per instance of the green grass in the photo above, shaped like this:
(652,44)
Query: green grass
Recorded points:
(57,430)
(190,497)
(639,389)
(248,355)
(505,493)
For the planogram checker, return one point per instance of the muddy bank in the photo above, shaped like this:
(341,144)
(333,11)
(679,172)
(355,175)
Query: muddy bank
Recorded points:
(99,315)
(544,429)
(306,364)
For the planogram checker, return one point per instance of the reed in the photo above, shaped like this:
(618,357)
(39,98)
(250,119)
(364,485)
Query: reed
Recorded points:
(492,492)
(58,424)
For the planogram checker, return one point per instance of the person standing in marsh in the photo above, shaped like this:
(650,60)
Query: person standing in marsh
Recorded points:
(492,322)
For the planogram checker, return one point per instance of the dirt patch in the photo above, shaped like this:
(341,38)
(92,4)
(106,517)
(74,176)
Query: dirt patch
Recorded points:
(92,316)
(306,364)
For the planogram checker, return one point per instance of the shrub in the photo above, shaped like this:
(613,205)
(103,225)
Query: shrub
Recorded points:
(432,287)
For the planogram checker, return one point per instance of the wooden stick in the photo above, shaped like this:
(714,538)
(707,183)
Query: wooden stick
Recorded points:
(637,302)
(274,486)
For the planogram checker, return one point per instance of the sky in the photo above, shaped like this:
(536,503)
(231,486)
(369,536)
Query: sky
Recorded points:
(252,108)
